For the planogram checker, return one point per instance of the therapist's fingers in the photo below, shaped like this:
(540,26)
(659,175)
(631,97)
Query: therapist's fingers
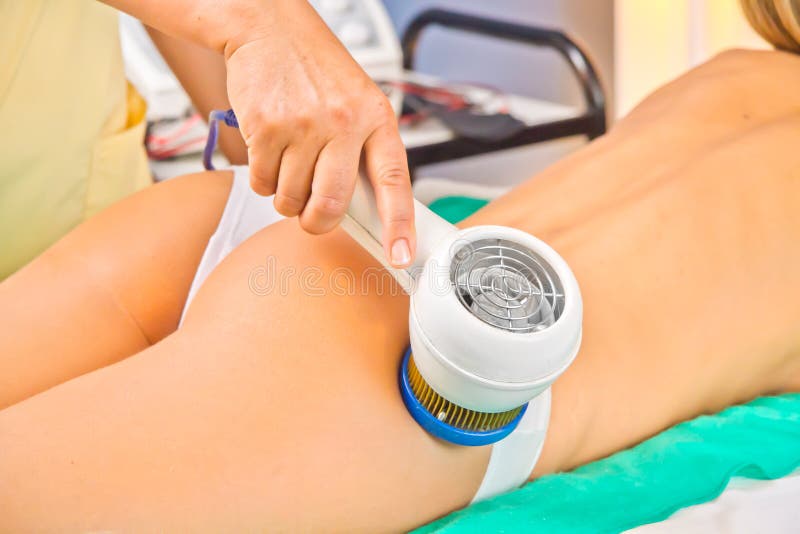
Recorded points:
(264,171)
(387,169)
(334,181)
(264,158)
(294,179)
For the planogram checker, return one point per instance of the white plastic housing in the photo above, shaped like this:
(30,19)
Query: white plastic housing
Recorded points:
(463,358)
(475,364)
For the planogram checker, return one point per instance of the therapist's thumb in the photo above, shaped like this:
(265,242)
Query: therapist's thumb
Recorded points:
(387,170)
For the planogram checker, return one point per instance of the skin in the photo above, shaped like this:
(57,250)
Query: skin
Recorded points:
(305,108)
(280,411)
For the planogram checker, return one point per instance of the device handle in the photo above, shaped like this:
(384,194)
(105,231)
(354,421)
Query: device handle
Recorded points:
(363,224)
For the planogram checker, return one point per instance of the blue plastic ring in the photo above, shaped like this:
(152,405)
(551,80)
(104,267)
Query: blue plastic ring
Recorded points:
(445,431)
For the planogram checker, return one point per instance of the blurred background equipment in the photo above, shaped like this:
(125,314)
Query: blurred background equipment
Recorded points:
(445,118)
(630,46)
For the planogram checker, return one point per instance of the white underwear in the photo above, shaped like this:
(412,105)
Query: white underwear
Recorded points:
(512,459)
(245,214)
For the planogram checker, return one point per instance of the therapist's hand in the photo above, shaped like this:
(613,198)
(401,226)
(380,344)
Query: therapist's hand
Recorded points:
(307,110)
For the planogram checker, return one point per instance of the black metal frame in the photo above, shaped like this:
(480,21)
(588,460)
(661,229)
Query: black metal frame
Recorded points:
(592,123)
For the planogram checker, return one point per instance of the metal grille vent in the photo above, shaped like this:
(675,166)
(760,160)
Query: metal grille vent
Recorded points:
(507,285)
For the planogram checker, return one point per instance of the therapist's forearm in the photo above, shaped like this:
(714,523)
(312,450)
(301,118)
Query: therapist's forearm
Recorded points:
(203,75)
(220,25)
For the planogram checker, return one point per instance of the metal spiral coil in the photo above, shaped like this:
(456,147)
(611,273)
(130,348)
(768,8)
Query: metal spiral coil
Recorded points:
(451,413)
(507,285)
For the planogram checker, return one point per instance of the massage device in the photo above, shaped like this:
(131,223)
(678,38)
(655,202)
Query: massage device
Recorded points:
(494,318)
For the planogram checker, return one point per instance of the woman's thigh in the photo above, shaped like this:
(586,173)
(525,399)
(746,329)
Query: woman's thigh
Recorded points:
(109,288)
(273,407)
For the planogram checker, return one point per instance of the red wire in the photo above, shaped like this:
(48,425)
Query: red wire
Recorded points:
(450,98)
(184,127)
(438,95)
(168,153)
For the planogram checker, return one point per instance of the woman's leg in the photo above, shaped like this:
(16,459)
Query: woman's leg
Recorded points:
(107,290)
(268,410)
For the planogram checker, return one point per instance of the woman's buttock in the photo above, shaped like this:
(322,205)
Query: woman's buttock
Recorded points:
(262,406)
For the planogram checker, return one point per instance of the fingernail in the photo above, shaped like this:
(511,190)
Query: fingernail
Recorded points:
(401,254)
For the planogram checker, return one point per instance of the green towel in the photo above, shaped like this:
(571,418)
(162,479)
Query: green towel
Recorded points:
(684,465)
(454,209)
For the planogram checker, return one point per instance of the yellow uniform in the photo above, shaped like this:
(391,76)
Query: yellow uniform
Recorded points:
(71,127)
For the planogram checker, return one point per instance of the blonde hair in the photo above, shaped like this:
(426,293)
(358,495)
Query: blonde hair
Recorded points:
(777,21)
